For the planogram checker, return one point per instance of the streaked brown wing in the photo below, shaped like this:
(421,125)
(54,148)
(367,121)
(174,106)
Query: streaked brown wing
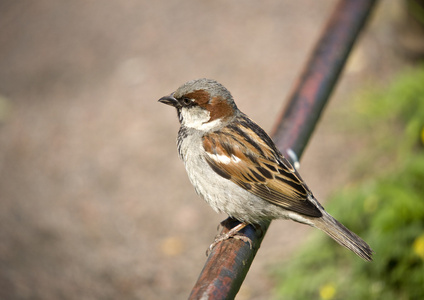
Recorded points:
(258,167)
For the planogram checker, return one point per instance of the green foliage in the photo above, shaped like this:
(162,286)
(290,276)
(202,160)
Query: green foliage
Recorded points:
(388,211)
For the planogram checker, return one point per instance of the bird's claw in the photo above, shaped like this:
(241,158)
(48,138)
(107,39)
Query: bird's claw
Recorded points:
(222,237)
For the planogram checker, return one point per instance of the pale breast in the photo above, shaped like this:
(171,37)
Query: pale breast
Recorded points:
(220,193)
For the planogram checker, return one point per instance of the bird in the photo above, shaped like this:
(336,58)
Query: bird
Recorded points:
(236,168)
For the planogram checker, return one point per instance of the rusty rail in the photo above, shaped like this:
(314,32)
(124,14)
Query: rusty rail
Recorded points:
(228,263)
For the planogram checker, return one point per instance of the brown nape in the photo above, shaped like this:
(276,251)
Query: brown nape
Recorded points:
(219,108)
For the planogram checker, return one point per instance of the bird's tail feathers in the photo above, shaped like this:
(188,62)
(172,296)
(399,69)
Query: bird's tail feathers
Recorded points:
(343,236)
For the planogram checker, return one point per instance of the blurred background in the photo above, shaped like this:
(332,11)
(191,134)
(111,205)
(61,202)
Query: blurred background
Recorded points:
(94,202)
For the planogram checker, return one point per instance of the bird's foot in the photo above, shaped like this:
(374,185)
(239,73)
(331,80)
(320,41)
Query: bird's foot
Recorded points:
(233,233)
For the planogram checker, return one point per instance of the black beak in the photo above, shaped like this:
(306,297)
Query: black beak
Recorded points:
(169,100)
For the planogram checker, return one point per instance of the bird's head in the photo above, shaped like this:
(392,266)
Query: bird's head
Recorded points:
(202,104)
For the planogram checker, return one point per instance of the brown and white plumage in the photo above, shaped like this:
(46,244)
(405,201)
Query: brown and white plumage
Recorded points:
(235,166)
(245,155)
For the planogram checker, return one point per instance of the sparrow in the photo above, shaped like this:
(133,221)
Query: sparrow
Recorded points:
(236,168)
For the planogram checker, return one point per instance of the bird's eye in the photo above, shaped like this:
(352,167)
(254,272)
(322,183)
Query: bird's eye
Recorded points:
(186,101)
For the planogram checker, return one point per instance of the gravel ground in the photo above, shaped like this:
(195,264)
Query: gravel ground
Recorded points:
(94,203)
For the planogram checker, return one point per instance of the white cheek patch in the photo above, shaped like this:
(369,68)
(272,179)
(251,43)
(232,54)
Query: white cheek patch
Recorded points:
(194,117)
(198,118)
(224,158)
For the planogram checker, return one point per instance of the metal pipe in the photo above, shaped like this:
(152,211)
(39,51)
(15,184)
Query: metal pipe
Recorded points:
(228,263)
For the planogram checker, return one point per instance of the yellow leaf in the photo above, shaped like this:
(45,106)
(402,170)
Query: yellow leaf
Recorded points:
(327,292)
(418,246)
